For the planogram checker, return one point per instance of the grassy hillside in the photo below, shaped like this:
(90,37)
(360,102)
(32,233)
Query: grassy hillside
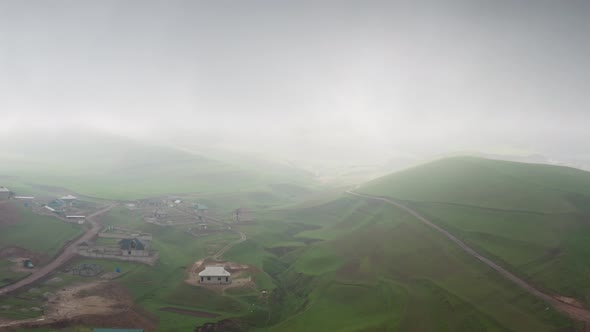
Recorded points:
(343,263)
(533,219)
(41,234)
(378,269)
(487,183)
(121,168)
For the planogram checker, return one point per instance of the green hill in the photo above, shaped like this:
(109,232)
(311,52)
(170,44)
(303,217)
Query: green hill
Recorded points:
(347,263)
(121,168)
(354,264)
(487,183)
(362,265)
(533,219)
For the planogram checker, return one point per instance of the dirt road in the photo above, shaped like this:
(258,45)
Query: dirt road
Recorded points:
(230,245)
(573,312)
(67,253)
(223,250)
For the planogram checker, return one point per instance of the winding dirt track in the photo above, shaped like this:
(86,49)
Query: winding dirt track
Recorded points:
(68,253)
(223,250)
(573,312)
(217,256)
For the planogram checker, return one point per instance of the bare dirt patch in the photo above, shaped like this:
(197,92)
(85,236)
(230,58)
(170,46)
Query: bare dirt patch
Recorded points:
(95,298)
(98,303)
(195,313)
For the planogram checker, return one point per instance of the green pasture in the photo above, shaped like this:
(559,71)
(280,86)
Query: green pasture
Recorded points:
(41,234)
(427,275)
(484,183)
(532,219)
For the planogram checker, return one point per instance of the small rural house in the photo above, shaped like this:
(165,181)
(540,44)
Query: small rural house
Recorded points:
(133,247)
(215,275)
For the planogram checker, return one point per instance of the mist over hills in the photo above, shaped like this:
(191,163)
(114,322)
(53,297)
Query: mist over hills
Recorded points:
(97,165)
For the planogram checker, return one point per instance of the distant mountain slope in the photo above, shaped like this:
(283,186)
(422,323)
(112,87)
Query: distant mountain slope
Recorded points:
(487,183)
(117,167)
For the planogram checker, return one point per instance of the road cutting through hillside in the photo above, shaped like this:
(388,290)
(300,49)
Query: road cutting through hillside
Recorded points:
(574,312)
(69,252)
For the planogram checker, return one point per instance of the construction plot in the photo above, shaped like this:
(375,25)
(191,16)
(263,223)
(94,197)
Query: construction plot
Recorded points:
(68,208)
(127,249)
(207,228)
(115,232)
(239,275)
(98,303)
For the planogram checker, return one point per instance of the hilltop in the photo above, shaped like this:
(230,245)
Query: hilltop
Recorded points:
(116,167)
(487,183)
(530,218)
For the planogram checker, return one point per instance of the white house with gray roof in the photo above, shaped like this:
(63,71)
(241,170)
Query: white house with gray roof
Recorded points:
(215,275)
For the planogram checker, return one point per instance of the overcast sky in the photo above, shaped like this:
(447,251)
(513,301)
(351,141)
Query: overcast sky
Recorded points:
(356,76)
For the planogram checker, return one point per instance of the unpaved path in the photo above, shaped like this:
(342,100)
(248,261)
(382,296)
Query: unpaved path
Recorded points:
(572,311)
(68,253)
(223,250)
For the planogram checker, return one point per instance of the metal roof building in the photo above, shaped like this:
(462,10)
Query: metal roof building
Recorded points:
(215,275)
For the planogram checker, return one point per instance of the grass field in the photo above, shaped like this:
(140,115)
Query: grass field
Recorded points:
(393,273)
(486,183)
(533,219)
(7,275)
(333,262)
(163,285)
(41,234)
(348,265)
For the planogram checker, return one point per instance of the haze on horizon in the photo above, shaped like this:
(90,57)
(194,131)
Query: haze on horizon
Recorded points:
(370,79)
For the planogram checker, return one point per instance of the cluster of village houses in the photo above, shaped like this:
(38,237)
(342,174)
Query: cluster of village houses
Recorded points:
(63,206)
(131,246)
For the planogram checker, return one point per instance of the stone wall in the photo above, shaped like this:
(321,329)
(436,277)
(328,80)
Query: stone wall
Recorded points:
(125,236)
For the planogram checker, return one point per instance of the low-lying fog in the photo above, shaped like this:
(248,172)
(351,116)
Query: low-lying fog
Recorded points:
(383,83)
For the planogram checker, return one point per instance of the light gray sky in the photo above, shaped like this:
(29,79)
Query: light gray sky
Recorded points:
(353,78)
